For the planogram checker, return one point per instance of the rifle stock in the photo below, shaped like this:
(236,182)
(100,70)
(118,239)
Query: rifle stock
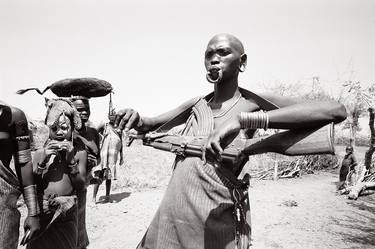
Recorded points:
(291,142)
(295,142)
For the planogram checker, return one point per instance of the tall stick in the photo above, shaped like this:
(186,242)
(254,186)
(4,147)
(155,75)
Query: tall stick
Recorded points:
(370,151)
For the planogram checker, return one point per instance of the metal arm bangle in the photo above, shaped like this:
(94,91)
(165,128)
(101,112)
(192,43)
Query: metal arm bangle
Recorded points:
(254,120)
(30,197)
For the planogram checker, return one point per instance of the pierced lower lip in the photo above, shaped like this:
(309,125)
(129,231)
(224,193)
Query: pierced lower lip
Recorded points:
(214,70)
(214,77)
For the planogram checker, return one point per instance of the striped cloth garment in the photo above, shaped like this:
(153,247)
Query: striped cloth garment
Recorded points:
(198,208)
(10,216)
(110,149)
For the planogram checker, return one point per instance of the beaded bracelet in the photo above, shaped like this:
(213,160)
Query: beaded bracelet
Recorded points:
(254,120)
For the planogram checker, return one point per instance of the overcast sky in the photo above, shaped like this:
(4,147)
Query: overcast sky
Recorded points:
(152,51)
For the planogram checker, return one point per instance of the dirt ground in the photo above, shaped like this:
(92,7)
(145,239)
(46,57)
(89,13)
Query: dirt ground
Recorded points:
(304,212)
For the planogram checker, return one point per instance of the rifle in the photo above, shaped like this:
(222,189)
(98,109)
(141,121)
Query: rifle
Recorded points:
(295,142)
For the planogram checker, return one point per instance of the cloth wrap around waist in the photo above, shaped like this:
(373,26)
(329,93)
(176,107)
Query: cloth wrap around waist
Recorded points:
(58,223)
(10,216)
(203,207)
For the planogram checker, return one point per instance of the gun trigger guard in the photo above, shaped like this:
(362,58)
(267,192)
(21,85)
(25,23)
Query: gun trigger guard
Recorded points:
(180,151)
(183,149)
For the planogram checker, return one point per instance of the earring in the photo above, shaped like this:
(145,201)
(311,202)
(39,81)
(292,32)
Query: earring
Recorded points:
(242,68)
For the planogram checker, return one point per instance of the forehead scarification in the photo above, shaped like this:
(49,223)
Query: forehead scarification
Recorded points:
(226,40)
(62,120)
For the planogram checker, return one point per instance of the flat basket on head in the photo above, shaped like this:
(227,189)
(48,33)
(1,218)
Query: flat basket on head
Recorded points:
(87,87)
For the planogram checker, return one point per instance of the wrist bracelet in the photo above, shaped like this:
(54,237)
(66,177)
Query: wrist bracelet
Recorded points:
(40,167)
(73,168)
(254,120)
(31,200)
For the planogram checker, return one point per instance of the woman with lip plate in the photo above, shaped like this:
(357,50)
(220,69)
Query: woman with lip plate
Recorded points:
(60,169)
(205,204)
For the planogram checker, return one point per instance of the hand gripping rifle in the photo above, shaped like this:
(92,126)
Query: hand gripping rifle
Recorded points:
(291,142)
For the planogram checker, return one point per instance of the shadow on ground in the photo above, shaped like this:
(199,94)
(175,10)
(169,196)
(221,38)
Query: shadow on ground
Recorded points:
(114,197)
(361,223)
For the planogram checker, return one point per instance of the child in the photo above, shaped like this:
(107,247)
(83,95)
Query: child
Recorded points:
(60,169)
(347,167)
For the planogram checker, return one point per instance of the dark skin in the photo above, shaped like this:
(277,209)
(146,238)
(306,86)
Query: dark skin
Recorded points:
(55,179)
(224,57)
(13,123)
(90,135)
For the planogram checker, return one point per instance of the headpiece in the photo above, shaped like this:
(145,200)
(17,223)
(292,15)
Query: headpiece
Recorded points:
(58,107)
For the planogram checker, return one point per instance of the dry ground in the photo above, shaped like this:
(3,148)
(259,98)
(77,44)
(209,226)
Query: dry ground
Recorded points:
(321,219)
(304,212)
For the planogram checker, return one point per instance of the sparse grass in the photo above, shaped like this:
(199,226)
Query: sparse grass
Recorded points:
(143,167)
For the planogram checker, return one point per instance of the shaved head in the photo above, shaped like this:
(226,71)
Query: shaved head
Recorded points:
(233,41)
(224,58)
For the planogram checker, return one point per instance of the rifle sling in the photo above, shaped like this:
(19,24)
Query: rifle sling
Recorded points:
(184,114)
(263,103)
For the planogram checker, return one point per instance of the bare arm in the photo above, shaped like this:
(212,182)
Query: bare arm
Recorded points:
(128,118)
(79,179)
(24,170)
(294,113)
(97,142)
(23,165)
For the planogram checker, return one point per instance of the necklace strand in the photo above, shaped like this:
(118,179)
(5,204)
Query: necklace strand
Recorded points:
(228,109)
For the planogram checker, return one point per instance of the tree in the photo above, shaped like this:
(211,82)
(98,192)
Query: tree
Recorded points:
(370,151)
(357,100)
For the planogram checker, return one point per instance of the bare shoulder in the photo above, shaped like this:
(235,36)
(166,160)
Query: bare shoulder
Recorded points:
(79,147)
(92,131)
(18,115)
(190,102)
(172,113)
(19,121)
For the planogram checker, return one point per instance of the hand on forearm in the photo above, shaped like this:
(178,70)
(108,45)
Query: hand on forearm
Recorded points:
(219,138)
